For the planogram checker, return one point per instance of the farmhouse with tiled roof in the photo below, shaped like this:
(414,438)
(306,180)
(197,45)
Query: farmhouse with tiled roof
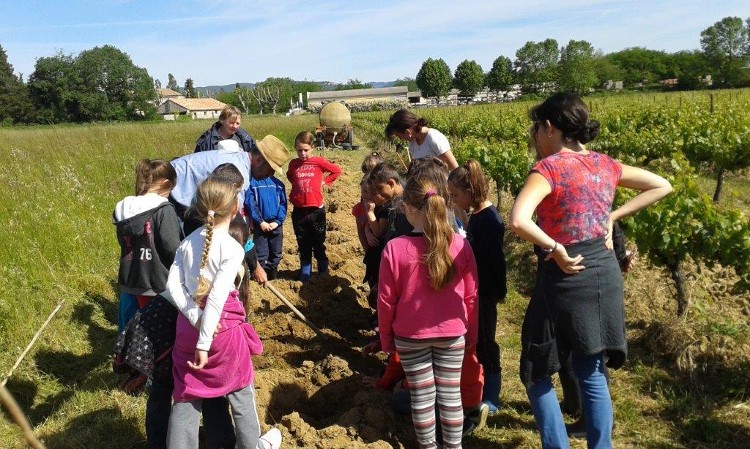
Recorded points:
(196,108)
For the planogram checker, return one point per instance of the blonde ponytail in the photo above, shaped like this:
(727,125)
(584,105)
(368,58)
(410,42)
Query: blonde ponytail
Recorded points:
(423,195)
(439,235)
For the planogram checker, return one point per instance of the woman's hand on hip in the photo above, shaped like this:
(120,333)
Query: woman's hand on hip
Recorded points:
(608,237)
(569,265)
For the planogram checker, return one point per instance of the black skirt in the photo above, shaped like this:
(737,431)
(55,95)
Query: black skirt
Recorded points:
(581,313)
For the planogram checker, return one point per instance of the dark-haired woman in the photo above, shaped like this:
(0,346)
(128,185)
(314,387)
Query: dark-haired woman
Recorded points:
(577,305)
(228,127)
(423,141)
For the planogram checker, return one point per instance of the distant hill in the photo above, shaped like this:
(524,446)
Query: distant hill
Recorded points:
(382,83)
(210,91)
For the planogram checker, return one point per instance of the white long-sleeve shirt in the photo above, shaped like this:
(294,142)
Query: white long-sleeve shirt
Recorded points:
(224,260)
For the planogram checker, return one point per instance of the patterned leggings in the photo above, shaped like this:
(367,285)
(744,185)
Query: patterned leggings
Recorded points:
(433,369)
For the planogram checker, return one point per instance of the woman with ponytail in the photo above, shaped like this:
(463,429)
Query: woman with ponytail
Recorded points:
(213,342)
(423,141)
(427,310)
(577,304)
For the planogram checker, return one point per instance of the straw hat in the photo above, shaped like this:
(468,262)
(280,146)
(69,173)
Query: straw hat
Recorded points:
(273,151)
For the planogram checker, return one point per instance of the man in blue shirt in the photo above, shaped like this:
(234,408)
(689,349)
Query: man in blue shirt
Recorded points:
(264,158)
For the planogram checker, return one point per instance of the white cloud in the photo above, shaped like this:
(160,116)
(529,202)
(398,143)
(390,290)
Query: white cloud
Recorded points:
(216,42)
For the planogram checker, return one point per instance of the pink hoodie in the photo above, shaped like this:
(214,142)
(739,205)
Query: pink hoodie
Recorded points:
(408,307)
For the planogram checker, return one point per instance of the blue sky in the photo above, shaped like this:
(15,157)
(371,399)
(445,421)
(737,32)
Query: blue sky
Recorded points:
(223,42)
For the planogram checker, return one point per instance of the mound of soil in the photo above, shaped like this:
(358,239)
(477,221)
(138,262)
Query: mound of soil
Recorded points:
(310,386)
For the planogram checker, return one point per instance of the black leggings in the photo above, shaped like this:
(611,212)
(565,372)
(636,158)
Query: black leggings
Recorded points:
(310,229)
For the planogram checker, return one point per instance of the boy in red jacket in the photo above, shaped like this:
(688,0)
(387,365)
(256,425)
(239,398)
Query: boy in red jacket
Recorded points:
(306,173)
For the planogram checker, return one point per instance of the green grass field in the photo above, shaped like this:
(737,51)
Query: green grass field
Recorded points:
(685,385)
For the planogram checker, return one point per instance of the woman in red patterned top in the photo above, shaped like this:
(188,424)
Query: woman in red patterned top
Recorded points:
(577,305)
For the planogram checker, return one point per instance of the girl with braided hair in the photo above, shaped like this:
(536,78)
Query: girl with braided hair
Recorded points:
(213,342)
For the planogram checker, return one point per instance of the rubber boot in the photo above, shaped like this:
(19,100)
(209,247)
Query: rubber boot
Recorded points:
(491,391)
(323,266)
(305,272)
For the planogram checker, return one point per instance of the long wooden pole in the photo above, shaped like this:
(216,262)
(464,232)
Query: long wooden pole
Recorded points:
(17,414)
(31,343)
(294,309)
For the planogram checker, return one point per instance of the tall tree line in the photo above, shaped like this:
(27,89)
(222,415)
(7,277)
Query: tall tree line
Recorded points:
(538,67)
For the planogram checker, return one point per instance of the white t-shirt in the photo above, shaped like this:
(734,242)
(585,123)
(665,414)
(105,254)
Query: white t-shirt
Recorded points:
(435,144)
(224,259)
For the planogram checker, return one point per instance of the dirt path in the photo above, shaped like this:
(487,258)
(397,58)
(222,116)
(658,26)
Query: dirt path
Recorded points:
(309,386)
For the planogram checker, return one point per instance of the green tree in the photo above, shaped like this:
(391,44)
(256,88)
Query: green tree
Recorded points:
(15,103)
(468,78)
(577,67)
(232,99)
(51,87)
(605,69)
(189,89)
(172,83)
(689,67)
(98,84)
(500,77)
(303,87)
(112,87)
(434,78)
(640,65)
(353,83)
(726,45)
(272,95)
(536,65)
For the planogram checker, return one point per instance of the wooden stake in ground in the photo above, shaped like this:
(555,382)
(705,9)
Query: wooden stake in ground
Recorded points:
(294,309)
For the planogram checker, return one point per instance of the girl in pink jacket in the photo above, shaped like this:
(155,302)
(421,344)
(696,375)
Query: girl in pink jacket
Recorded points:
(427,310)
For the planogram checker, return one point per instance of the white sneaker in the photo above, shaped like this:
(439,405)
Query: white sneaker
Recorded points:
(271,439)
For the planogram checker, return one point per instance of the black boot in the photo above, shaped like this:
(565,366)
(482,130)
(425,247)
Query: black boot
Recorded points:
(577,429)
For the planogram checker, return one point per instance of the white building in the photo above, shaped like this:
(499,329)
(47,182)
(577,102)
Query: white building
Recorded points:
(196,108)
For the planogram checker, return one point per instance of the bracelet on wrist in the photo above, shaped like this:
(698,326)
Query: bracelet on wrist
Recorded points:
(551,250)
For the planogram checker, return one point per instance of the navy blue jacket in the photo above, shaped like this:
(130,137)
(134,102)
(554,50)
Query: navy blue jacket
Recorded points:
(266,201)
(211,137)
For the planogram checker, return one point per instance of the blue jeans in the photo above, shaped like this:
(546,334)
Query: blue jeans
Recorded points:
(269,247)
(597,406)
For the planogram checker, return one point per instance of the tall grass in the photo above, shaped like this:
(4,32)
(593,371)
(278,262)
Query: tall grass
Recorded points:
(58,187)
